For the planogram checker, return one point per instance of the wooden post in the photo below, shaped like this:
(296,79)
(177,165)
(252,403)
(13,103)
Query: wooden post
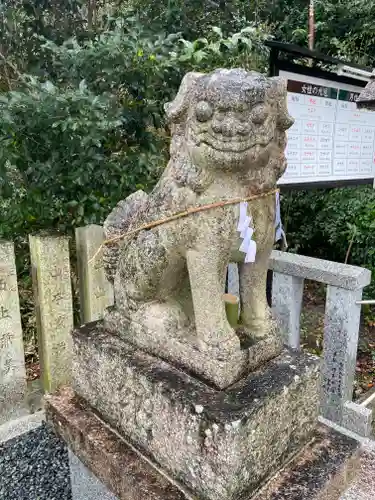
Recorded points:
(54,309)
(95,291)
(12,359)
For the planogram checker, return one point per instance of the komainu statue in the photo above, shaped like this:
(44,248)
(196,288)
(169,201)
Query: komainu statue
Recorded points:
(227,153)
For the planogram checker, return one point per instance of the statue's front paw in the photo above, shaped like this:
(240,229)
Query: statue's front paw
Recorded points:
(223,341)
(255,328)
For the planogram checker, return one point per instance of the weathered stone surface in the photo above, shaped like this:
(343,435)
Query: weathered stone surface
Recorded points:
(217,370)
(363,488)
(321,471)
(217,443)
(228,141)
(12,358)
(19,426)
(324,271)
(287,294)
(357,418)
(367,400)
(95,291)
(54,307)
(340,343)
(108,456)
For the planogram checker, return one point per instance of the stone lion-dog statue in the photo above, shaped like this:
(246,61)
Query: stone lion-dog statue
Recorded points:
(228,140)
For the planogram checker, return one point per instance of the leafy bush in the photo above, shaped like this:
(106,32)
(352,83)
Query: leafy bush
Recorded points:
(193,18)
(72,146)
(24,23)
(61,162)
(335,224)
(343,28)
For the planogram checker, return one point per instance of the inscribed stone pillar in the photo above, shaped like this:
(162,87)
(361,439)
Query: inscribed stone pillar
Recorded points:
(12,361)
(53,299)
(340,349)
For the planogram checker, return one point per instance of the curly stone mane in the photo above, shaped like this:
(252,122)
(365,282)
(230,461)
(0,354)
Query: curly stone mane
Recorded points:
(198,178)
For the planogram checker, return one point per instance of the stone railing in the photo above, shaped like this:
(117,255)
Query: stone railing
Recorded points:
(345,285)
(54,310)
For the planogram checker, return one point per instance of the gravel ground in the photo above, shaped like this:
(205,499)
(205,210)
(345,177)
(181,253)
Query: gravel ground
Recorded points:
(34,466)
(364,486)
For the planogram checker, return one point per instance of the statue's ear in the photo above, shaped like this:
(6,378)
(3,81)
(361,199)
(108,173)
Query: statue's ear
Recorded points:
(279,88)
(176,109)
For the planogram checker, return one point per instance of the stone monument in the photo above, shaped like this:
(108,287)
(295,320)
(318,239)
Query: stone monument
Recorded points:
(228,141)
(218,410)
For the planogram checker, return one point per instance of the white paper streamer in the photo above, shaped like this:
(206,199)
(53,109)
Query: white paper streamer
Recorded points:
(280,234)
(243,215)
(246,242)
(251,253)
(245,227)
(248,246)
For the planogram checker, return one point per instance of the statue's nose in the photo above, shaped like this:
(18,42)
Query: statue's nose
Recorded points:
(225,127)
(243,128)
(230,127)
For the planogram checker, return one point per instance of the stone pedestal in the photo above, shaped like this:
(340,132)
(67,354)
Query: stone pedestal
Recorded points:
(218,444)
(322,470)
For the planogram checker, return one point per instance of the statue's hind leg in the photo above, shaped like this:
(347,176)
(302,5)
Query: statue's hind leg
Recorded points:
(146,288)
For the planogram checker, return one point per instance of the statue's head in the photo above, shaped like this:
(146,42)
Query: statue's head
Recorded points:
(229,118)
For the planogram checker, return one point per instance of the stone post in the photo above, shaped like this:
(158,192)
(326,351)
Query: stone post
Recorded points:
(95,291)
(54,310)
(12,360)
(357,418)
(233,279)
(341,326)
(345,284)
(287,293)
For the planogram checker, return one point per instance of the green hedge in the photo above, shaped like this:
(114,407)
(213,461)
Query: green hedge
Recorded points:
(335,224)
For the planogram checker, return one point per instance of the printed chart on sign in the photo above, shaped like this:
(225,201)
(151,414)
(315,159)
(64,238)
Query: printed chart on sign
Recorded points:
(331,139)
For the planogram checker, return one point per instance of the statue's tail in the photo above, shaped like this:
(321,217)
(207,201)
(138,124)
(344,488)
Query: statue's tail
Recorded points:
(118,223)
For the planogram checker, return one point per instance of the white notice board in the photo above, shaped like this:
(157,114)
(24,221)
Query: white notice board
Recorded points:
(331,140)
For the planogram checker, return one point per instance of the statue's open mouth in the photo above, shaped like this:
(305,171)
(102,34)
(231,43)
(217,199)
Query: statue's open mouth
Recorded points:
(229,145)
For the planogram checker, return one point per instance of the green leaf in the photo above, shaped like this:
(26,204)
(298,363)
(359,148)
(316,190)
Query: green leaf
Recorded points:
(218,31)
(199,55)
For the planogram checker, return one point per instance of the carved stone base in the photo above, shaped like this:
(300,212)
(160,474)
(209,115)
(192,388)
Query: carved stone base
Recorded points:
(218,444)
(322,470)
(224,368)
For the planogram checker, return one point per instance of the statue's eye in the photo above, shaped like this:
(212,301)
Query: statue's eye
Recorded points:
(259,115)
(203,111)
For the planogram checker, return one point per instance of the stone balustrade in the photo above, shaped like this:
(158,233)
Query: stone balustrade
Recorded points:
(51,276)
(345,285)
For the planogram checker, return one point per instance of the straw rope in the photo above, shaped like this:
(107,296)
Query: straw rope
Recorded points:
(179,215)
